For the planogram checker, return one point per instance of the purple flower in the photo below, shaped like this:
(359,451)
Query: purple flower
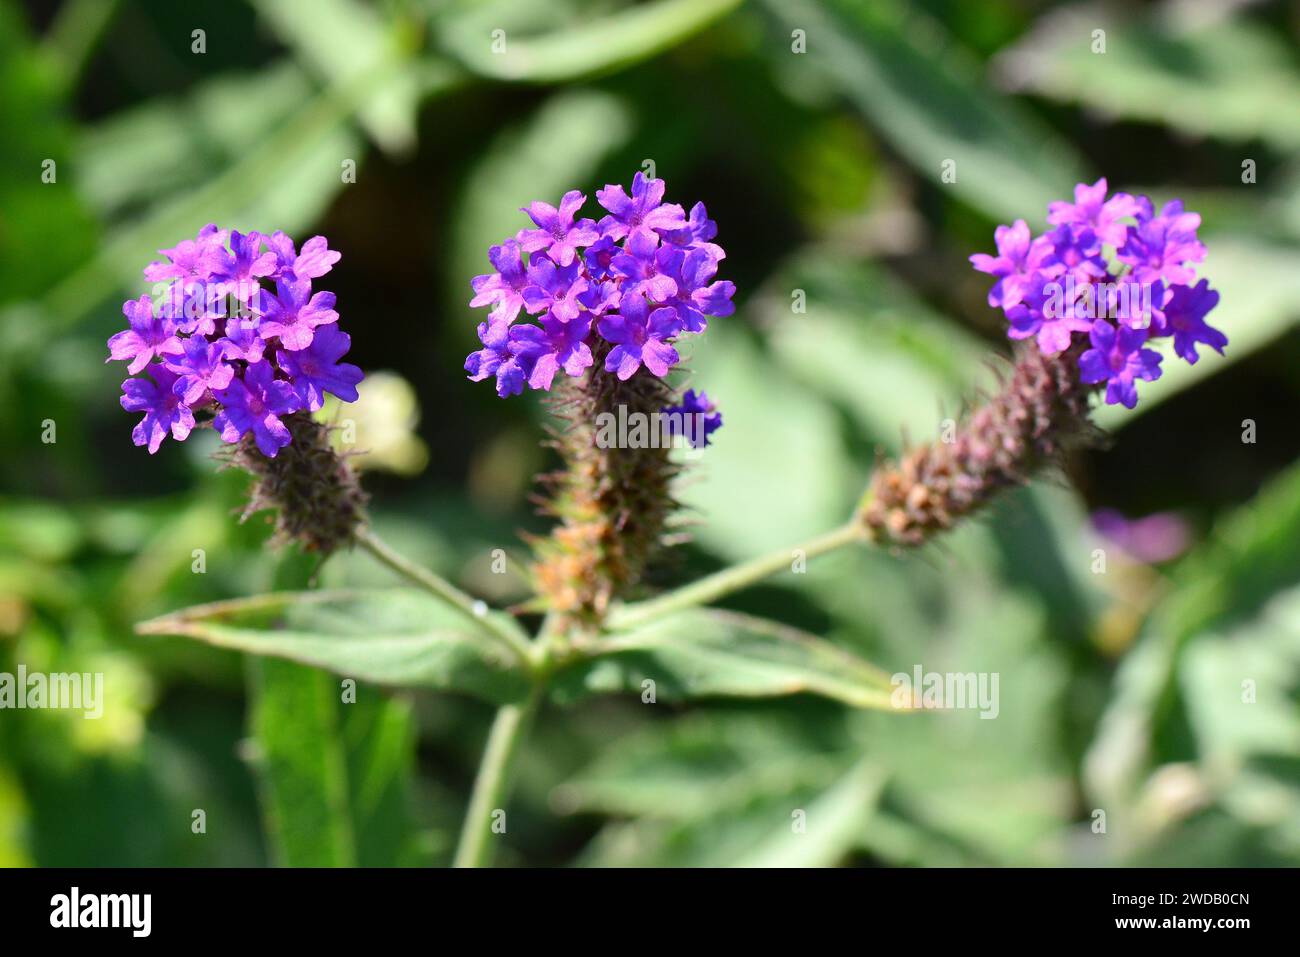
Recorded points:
(554,288)
(1119,359)
(1074,255)
(213,356)
(699,229)
(191,259)
(641,266)
(696,295)
(163,409)
(1185,314)
(147,337)
(1154,538)
(600,297)
(255,404)
(556,231)
(242,340)
(290,315)
(643,208)
(552,346)
(599,256)
(317,370)
(696,418)
(505,287)
(498,357)
(1048,312)
(1093,271)
(645,278)
(1015,265)
(245,264)
(315,259)
(1093,212)
(1160,247)
(202,367)
(640,335)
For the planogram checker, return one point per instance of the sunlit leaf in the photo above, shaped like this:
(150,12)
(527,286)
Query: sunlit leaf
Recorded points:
(703,653)
(397,637)
(487,42)
(926,96)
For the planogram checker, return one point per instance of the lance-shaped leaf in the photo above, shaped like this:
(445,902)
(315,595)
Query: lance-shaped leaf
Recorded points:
(705,653)
(388,637)
(495,39)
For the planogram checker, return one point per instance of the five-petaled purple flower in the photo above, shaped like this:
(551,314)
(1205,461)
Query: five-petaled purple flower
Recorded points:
(149,336)
(640,333)
(317,370)
(255,404)
(202,367)
(1118,357)
(556,232)
(1061,284)
(163,409)
(249,367)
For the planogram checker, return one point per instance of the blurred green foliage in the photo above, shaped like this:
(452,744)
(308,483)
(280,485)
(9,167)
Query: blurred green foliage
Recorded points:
(1167,698)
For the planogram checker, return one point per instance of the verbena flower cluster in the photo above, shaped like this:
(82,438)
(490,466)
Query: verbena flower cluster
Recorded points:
(625,287)
(1113,270)
(213,339)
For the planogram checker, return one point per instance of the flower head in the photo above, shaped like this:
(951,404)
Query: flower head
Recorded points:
(1113,269)
(609,298)
(251,368)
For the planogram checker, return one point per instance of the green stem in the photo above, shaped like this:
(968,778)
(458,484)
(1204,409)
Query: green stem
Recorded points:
(436,585)
(736,577)
(492,785)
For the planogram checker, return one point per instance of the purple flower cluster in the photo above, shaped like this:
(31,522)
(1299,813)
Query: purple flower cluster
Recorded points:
(212,338)
(1112,269)
(626,286)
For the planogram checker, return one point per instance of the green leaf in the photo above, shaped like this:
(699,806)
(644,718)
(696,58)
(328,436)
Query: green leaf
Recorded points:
(1217,76)
(1251,557)
(709,653)
(45,231)
(927,97)
(143,155)
(379,734)
(784,459)
(398,637)
(302,765)
(581,48)
(317,31)
(896,363)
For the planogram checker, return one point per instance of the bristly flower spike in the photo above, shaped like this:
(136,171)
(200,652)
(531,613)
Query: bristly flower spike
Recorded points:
(1092,321)
(605,304)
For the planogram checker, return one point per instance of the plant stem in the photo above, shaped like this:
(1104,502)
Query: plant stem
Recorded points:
(736,577)
(472,608)
(492,784)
